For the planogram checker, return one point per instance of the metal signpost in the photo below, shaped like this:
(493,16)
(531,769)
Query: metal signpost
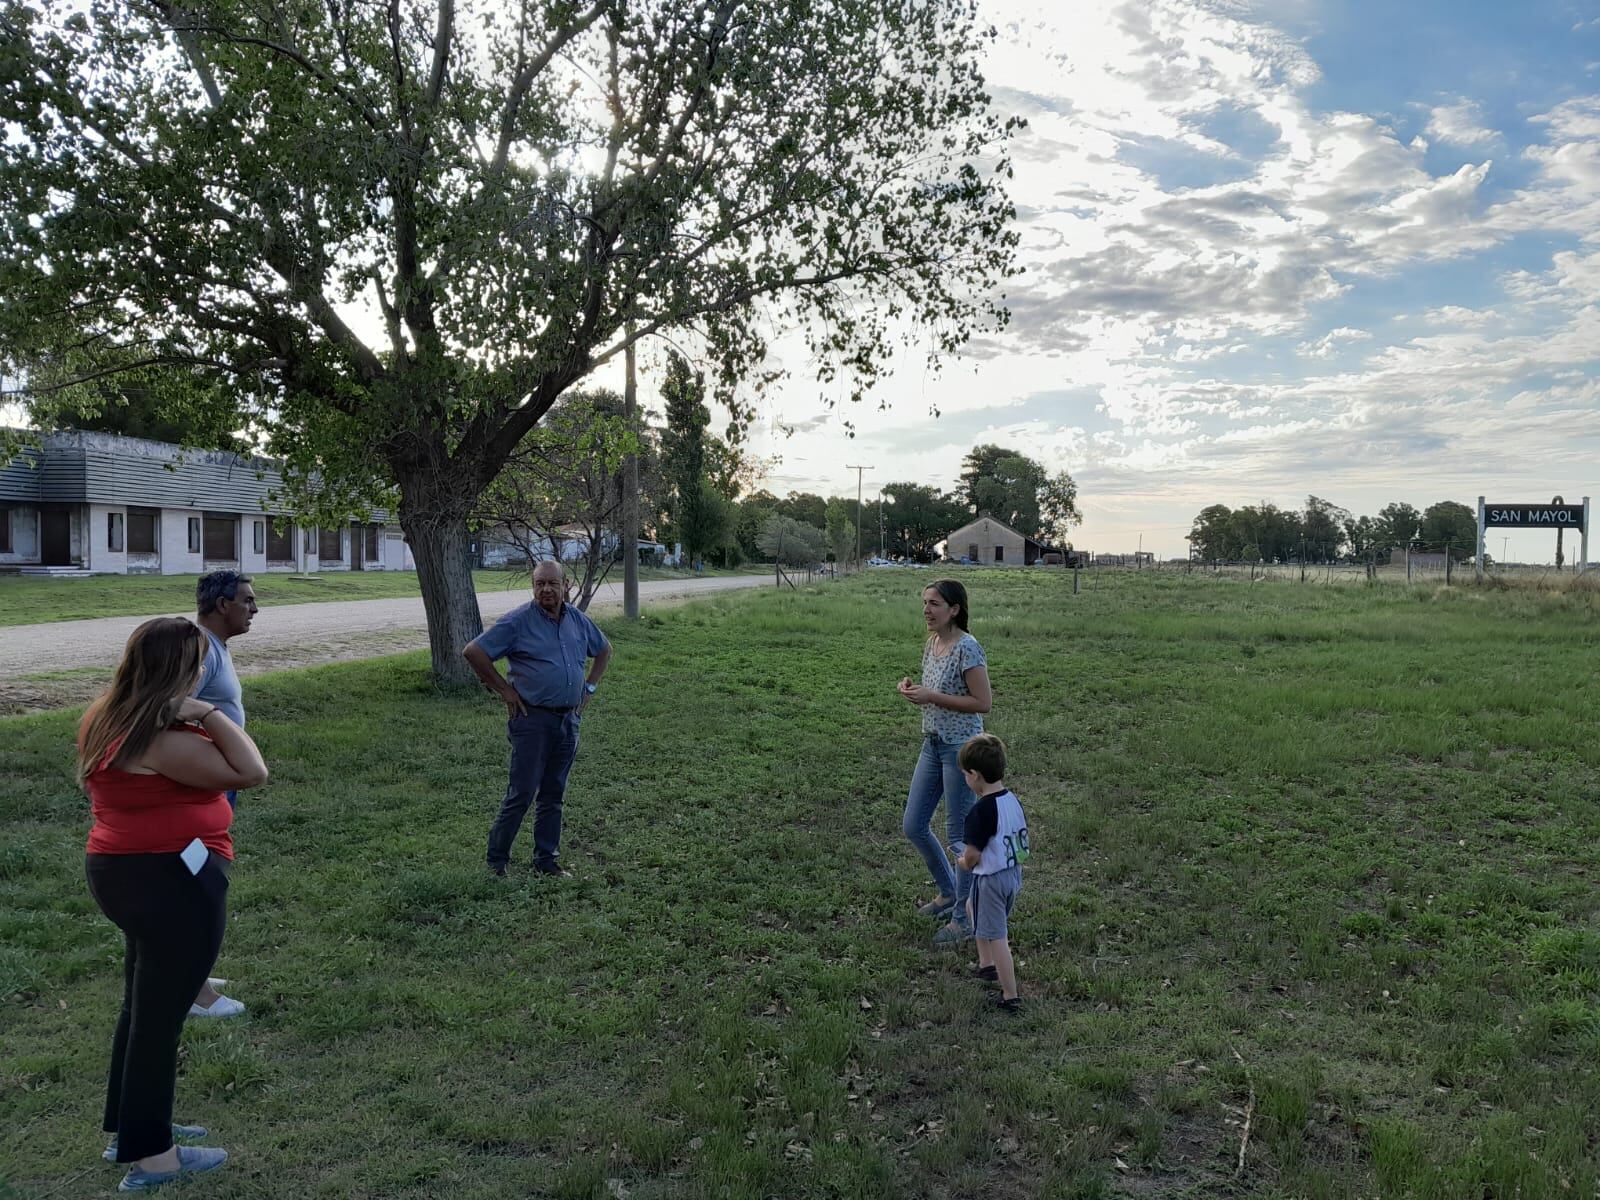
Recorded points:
(1535,516)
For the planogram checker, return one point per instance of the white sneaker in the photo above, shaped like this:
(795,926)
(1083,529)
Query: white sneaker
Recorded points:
(222,1006)
(217,984)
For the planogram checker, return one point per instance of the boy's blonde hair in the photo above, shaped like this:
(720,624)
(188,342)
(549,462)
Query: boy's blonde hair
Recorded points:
(985,754)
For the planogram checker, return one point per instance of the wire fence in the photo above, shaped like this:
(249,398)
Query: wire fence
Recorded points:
(1424,569)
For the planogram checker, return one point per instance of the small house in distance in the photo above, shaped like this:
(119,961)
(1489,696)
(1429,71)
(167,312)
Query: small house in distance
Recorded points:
(84,502)
(988,540)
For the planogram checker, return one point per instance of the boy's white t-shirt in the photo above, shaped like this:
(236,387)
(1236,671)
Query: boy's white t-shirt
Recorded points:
(1008,846)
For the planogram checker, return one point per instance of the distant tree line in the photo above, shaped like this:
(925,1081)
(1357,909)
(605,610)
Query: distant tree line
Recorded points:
(1322,532)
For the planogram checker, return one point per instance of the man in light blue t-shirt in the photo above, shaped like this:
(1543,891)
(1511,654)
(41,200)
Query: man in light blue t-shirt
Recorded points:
(225,604)
(549,646)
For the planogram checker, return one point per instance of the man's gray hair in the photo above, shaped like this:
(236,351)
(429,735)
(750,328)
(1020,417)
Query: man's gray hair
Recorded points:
(215,587)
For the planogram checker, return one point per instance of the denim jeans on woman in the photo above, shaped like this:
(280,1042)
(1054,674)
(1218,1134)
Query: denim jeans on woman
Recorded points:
(939,775)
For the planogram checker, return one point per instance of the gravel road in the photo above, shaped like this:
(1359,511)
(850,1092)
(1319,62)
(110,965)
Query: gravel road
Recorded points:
(294,635)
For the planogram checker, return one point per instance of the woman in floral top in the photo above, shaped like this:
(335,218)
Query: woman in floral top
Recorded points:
(954,695)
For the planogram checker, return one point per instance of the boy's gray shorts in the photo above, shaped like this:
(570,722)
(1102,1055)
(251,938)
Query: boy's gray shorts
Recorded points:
(992,898)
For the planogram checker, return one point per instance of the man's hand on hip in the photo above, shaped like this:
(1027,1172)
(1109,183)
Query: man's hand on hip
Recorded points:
(513,702)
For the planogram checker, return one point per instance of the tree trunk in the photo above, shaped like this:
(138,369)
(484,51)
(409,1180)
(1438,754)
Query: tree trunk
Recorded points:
(439,543)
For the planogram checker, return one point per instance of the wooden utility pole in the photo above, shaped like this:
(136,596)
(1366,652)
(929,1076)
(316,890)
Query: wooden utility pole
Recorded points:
(630,496)
(859,472)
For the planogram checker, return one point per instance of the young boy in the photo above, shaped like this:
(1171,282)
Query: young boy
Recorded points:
(996,838)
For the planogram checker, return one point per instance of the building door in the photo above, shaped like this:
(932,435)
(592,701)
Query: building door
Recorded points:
(999,554)
(358,550)
(55,537)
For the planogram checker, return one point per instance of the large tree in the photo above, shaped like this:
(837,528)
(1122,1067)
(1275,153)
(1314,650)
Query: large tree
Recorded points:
(1215,535)
(400,231)
(1450,525)
(1322,529)
(1018,490)
(1398,524)
(196,411)
(683,452)
(562,491)
(1005,484)
(919,517)
(1058,507)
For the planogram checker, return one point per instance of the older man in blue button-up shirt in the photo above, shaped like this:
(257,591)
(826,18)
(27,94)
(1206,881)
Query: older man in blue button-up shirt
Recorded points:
(547,645)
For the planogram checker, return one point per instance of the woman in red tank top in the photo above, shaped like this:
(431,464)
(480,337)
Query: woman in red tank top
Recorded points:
(155,764)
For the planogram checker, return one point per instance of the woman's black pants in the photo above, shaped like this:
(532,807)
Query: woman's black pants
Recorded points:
(173,923)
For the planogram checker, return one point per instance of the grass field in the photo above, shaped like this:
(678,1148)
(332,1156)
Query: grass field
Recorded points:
(25,600)
(1312,912)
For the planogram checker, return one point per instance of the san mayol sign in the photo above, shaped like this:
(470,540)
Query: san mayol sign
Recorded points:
(1535,516)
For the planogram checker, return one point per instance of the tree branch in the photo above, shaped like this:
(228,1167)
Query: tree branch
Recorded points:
(442,35)
(529,72)
(169,14)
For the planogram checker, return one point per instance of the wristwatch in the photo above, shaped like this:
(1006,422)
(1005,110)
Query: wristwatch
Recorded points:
(590,688)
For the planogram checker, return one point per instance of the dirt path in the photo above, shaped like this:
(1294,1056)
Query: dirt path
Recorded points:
(82,653)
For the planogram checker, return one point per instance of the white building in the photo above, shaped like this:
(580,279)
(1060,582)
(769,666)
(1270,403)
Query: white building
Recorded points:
(100,503)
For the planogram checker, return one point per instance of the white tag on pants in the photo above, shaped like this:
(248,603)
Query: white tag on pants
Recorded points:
(194,856)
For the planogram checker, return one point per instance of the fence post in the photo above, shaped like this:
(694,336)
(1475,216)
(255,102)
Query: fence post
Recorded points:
(1074,578)
(1447,564)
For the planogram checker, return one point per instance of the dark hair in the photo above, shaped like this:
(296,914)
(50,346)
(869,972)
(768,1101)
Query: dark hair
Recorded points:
(217,586)
(985,754)
(159,666)
(954,595)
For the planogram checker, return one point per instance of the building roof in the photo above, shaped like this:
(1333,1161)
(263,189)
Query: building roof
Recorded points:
(76,466)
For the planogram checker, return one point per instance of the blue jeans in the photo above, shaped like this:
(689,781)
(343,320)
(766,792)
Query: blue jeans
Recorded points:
(543,745)
(938,774)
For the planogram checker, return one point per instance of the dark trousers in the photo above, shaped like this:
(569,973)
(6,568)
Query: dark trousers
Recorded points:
(173,923)
(543,745)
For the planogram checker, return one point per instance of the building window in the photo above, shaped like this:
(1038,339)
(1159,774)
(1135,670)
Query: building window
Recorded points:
(194,535)
(5,530)
(259,536)
(222,539)
(328,544)
(114,532)
(374,534)
(280,540)
(141,531)
(999,554)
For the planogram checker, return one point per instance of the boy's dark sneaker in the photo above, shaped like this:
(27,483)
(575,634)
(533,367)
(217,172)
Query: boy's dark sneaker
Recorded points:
(1010,1006)
(986,974)
(498,870)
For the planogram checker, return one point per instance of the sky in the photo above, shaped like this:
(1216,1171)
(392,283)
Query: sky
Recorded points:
(1348,248)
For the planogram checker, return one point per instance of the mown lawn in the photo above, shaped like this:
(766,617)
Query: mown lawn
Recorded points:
(1313,891)
(26,600)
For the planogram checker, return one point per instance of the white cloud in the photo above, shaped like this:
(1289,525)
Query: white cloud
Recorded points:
(1332,342)
(1192,217)
(1460,124)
